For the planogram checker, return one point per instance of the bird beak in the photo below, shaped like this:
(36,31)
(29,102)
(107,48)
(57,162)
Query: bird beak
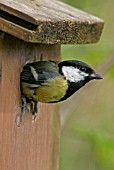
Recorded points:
(95,76)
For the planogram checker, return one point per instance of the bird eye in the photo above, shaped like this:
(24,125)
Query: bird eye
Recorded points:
(83,69)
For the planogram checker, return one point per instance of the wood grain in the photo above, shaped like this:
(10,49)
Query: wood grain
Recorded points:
(48,22)
(35,144)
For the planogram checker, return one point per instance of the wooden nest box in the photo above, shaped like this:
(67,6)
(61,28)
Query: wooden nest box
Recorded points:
(29,28)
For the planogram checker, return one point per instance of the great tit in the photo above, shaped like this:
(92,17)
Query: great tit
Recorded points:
(53,81)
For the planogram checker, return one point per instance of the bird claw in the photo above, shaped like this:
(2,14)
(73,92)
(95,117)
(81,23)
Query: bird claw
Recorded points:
(34,117)
(33,107)
(24,105)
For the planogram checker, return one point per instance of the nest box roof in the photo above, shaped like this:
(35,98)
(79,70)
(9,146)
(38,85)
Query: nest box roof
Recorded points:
(48,22)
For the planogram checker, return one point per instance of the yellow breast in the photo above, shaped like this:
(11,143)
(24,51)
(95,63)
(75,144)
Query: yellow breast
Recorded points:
(53,90)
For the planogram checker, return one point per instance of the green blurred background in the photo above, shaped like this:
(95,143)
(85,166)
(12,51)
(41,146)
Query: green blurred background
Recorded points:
(87,118)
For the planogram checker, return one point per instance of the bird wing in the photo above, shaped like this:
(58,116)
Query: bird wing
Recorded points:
(39,72)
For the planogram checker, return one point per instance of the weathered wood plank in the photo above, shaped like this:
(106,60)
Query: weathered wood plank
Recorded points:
(52,22)
(35,144)
(16,30)
(44,10)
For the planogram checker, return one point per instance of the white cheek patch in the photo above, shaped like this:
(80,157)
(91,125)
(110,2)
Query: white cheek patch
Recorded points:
(73,74)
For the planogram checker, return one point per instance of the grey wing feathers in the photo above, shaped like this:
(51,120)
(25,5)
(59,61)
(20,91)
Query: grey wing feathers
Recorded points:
(39,72)
(27,76)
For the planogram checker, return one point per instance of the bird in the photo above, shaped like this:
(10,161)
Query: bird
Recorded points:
(53,81)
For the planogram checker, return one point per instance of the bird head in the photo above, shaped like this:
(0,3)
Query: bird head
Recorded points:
(77,71)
